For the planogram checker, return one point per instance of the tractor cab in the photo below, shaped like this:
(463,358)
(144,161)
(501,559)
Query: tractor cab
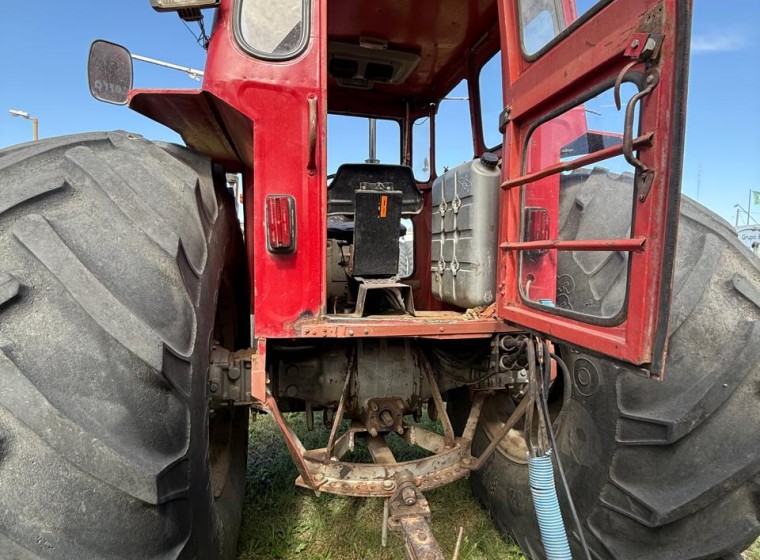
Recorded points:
(427,168)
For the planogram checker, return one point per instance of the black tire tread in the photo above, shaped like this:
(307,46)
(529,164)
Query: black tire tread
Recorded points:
(666,470)
(120,436)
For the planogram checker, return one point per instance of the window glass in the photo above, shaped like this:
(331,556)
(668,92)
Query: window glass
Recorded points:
(594,202)
(406,250)
(542,20)
(273,28)
(421,149)
(453,129)
(348,141)
(491,100)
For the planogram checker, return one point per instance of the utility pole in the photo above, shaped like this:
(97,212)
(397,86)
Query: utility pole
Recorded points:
(27,116)
(749,206)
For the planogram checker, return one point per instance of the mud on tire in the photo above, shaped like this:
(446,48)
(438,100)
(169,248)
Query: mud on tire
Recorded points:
(114,255)
(657,470)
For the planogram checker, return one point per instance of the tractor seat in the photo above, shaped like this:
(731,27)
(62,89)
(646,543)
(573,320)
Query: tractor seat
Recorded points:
(353,177)
(372,198)
(342,229)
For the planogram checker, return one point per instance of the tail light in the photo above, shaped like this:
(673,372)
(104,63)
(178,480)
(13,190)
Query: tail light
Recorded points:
(281,223)
(536,229)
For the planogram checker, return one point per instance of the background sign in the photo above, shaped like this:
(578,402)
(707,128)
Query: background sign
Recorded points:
(750,235)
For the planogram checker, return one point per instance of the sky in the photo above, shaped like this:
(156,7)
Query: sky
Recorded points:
(44,46)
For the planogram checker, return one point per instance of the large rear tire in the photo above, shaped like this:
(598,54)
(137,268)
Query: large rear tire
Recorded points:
(657,470)
(120,261)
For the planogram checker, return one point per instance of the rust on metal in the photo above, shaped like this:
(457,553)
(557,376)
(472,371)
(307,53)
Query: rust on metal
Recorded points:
(522,408)
(341,405)
(634,245)
(410,515)
(294,445)
(421,326)
(448,430)
(385,415)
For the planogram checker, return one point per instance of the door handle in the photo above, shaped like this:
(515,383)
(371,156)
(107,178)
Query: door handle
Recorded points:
(645,175)
(311,166)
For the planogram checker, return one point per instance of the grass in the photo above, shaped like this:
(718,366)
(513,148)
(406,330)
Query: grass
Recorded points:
(281,521)
(753,553)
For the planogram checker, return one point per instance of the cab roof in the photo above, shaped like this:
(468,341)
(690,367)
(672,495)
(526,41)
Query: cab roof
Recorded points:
(415,51)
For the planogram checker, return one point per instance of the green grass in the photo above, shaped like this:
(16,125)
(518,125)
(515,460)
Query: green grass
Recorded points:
(754,551)
(282,521)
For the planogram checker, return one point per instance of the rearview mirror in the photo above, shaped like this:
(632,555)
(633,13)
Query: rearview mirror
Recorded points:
(109,72)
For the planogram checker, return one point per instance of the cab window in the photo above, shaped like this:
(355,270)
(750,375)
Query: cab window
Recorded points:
(453,129)
(272,29)
(348,141)
(543,20)
(491,100)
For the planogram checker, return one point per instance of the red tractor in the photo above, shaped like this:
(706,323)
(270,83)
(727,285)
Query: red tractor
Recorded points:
(550,299)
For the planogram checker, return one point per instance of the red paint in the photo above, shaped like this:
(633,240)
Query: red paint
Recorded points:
(267,121)
(562,74)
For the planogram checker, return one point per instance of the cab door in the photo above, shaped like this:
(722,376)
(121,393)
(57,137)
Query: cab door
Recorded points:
(593,124)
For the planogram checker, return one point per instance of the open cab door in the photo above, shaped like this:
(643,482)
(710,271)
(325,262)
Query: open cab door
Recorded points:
(595,98)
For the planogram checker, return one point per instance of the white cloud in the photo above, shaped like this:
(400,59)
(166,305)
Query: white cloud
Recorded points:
(718,43)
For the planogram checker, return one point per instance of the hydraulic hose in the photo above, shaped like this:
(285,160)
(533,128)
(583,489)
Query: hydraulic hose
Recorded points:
(550,524)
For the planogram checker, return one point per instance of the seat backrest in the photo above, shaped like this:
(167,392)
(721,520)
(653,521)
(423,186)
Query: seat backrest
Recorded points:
(352,177)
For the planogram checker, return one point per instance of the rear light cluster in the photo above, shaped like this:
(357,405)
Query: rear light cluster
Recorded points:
(536,228)
(281,223)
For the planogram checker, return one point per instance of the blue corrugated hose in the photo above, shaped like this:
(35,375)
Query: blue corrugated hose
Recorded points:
(553,535)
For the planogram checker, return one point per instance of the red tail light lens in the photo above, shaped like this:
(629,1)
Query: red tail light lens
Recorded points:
(281,223)
(536,228)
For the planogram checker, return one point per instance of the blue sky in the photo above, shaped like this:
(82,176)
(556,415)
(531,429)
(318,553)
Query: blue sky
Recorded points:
(44,45)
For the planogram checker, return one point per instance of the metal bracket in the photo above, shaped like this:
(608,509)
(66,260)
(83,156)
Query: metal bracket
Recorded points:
(229,376)
(400,294)
(504,119)
(410,515)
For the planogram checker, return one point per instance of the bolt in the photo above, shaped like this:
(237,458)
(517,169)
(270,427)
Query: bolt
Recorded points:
(386,418)
(373,406)
(409,496)
(351,333)
(441,329)
(635,43)
(213,387)
(233,373)
(388,484)
(366,331)
(373,432)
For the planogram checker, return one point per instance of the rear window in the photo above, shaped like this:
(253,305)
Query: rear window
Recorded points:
(272,29)
(348,141)
(543,20)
